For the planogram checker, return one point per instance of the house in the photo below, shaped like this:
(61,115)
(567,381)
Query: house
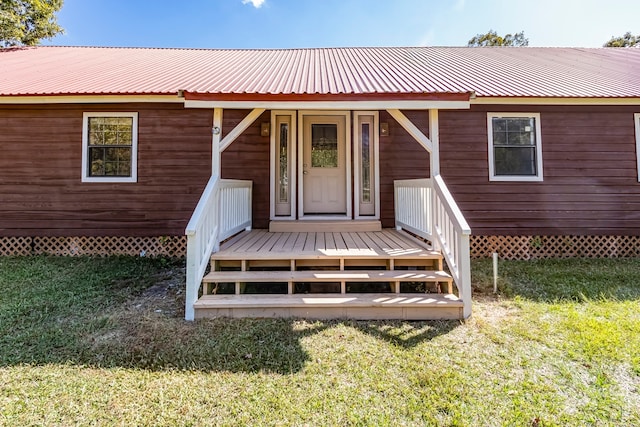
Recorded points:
(352,175)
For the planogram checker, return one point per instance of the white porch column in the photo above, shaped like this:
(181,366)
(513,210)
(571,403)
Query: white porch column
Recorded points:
(434,136)
(215,142)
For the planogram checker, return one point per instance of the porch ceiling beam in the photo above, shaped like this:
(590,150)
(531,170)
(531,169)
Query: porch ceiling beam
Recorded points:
(411,129)
(332,105)
(241,127)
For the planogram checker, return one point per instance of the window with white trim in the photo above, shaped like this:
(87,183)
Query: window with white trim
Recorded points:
(515,147)
(109,147)
(636,121)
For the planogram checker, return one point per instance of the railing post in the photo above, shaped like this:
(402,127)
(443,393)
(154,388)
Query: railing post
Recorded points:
(465,275)
(191,294)
(435,242)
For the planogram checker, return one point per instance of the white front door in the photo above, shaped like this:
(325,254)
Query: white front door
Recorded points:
(324,165)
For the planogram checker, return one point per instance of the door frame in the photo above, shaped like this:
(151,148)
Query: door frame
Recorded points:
(347,154)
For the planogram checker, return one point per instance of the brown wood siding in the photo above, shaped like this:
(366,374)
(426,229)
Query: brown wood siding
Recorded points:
(590,182)
(401,157)
(248,158)
(41,193)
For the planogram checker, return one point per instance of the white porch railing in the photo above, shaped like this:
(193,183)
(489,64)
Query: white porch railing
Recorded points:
(223,210)
(426,208)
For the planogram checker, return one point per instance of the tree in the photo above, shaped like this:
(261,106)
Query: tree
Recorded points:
(627,40)
(493,39)
(27,22)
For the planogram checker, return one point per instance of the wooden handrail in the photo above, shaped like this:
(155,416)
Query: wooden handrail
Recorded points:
(426,208)
(224,209)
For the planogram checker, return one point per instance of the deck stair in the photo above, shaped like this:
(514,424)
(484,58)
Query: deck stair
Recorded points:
(385,274)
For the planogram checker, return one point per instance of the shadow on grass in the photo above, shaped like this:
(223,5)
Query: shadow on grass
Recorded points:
(552,280)
(112,312)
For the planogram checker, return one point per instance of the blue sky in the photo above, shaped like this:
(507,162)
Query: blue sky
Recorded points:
(329,23)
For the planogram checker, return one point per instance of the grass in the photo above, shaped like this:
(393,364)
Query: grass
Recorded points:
(101,342)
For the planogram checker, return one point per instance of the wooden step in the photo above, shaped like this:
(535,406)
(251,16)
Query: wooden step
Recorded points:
(304,226)
(333,306)
(328,276)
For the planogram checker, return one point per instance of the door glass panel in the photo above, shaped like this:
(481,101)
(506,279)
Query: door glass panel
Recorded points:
(366,164)
(324,146)
(283,185)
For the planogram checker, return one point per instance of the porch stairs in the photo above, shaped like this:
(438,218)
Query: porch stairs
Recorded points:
(333,273)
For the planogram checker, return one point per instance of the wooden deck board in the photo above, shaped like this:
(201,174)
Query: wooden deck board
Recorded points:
(329,300)
(261,244)
(328,276)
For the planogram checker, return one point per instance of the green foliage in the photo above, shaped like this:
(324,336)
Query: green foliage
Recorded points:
(627,40)
(27,22)
(493,39)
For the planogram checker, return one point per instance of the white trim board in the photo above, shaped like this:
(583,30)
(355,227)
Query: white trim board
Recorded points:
(331,105)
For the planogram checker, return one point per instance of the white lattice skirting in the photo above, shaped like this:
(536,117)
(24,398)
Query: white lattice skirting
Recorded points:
(507,247)
(171,246)
(531,247)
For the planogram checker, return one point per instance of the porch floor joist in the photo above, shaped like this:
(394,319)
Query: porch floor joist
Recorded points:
(333,306)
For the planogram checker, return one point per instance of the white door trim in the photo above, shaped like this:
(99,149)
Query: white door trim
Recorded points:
(300,181)
(273,164)
(375,163)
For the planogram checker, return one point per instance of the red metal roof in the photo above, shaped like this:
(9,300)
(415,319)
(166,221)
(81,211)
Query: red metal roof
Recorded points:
(395,71)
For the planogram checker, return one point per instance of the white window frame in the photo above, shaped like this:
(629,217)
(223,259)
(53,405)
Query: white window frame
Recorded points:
(371,117)
(292,160)
(636,121)
(492,175)
(85,148)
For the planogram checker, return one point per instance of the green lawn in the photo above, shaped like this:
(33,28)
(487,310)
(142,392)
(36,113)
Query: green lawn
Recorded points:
(102,342)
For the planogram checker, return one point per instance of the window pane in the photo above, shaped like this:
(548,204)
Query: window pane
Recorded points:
(109,161)
(96,166)
(283,185)
(324,146)
(515,161)
(514,131)
(366,164)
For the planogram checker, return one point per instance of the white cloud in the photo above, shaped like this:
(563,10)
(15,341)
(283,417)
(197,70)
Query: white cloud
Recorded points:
(256,3)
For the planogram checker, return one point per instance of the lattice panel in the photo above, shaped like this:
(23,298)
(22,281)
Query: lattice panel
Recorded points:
(15,246)
(527,247)
(172,246)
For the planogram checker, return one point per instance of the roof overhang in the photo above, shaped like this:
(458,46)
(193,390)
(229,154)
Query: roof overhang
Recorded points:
(501,100)
(86,99)
(422,101)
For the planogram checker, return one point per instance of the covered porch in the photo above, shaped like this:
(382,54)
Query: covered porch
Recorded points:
(323,251)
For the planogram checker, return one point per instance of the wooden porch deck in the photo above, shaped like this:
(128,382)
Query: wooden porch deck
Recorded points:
(329,274)
(385,244)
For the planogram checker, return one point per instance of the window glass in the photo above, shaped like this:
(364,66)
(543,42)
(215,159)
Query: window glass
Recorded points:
(110,143)
(324,145)
(283,185)
(366,165)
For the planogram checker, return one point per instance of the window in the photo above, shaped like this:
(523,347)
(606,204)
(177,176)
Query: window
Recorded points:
(636,120)
(282,165)
(366,164)
(109,147)
(515,147)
